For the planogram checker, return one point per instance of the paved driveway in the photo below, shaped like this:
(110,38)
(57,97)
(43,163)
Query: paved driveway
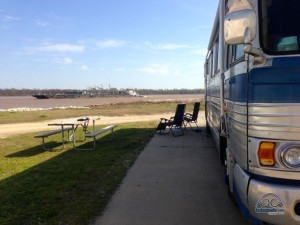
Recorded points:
(175,181)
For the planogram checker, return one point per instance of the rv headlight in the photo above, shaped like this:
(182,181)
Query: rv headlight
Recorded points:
(290,156)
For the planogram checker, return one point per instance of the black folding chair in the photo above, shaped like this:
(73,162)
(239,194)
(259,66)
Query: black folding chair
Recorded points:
(192,117)
(174,123)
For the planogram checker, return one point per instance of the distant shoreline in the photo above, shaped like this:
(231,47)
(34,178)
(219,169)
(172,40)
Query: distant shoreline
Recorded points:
(29,103)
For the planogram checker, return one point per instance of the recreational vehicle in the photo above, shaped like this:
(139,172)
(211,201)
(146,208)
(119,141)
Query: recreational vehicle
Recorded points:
(252,105)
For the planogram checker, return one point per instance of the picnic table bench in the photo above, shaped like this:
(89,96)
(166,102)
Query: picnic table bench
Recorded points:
(95,134)
(53,132)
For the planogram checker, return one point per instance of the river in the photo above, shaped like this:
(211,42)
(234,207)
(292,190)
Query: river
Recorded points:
(19,103)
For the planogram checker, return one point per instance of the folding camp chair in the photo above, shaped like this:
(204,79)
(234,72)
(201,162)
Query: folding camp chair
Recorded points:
(192,118)
(174,123)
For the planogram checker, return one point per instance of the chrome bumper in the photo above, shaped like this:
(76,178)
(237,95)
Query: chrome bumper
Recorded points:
(274,203)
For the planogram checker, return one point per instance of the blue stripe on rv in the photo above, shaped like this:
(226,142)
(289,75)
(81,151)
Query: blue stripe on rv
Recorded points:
(279,83)
(235,88)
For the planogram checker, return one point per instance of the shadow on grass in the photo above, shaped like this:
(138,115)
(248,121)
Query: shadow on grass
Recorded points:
(35,150)
(55,146)
(72,187)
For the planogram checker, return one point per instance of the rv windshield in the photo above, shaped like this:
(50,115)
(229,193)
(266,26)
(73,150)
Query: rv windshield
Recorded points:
(279,26)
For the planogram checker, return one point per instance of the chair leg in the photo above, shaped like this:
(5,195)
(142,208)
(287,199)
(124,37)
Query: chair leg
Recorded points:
(177,128)
(165,132)
(197,129)
(184,123)
(192,126)
(197,125)
(161,132)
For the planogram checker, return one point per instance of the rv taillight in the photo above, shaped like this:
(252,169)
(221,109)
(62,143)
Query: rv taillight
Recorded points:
(266,154)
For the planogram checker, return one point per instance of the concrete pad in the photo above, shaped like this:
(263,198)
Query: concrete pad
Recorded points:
(175,180)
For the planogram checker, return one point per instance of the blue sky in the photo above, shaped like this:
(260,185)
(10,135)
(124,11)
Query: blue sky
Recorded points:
(76,44)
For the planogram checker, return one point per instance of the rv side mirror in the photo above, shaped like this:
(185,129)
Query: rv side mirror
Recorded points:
(235,25)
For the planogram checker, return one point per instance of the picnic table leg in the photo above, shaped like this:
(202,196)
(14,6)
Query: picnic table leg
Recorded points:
(85,126)
(50,149)
(72,138)
(63,136)
(94,129)
(111,134)
(63,142)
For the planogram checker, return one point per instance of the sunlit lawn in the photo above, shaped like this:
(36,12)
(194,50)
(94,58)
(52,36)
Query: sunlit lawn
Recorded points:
(67,186)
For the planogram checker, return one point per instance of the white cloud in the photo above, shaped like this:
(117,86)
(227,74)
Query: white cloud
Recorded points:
(42,23)
(60,48)
(155,69)
(64,60)
(110,43)
(167,46)
(84,68)
(171,46)
(10,18)
(201,52)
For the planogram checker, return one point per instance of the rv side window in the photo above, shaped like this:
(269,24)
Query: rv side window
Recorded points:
(215,57)
(209,65)
(228,56)
(235,54)
(239,52)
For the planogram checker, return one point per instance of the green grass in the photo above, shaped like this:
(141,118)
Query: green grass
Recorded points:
(67,186)
(144,108)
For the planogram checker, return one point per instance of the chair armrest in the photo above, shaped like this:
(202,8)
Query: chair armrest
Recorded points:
(171,119)
(163,120)
(188,115)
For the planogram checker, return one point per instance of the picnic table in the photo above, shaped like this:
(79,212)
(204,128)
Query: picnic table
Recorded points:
(70,126)
(79,122)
